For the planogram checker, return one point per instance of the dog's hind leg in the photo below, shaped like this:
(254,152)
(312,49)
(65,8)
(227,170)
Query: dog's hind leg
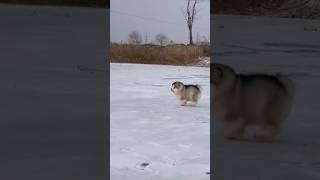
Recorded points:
(193,103)
(234,129)
(183,102)
(194,99)
(267,133)
(270,124)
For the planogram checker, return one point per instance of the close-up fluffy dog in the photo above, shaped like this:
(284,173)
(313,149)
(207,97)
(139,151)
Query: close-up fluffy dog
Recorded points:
(258,100)
(186,93)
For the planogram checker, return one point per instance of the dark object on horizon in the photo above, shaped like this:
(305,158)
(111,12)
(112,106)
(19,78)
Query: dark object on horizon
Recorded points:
(281,8)
(85,3)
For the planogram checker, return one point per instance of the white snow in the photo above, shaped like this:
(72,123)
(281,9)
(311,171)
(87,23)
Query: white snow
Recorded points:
(149,126)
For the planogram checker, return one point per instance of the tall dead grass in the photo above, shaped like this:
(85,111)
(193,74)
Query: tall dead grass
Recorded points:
(152,54)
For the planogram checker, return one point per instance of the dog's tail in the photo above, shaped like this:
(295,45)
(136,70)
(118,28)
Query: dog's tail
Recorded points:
(290,89)
(288,83)
(200,90)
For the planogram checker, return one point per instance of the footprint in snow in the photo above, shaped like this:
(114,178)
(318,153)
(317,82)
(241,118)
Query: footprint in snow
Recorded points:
(142,166)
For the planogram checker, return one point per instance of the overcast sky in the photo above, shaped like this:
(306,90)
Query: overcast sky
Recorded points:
(150,17)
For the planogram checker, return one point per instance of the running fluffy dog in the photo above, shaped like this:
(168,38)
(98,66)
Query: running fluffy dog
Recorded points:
(258,100)
(186,93)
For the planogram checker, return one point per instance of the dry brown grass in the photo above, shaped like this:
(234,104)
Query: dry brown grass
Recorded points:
(151,54)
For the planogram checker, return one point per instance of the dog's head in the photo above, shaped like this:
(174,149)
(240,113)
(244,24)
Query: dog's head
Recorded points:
(221,73)
(176,87)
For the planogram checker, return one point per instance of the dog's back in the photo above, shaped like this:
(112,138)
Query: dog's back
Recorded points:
(263,95)
(193,92)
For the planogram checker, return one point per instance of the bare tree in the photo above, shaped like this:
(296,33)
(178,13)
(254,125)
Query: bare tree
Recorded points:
(134,37)
(189,15)
(162,39)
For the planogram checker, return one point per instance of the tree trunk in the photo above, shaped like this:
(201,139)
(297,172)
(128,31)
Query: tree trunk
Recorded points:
(190,36)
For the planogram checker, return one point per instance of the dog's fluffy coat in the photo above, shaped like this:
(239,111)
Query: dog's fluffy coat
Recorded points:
(186,93)
(239,101)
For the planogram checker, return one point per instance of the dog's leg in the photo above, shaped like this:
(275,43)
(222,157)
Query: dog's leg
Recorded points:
(194,103)
(266,133)
(269,127)
(183,102)
(234,129)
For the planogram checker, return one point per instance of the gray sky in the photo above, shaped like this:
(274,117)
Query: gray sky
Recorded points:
(156,16)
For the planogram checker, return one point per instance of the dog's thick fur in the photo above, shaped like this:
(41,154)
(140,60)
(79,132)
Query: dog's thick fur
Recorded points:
(186,93)
(259,100)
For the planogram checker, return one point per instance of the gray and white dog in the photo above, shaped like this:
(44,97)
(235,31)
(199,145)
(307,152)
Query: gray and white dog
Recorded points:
(186,93)
(258,100)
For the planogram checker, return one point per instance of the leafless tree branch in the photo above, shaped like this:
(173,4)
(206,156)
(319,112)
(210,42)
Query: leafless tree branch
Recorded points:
(190,15)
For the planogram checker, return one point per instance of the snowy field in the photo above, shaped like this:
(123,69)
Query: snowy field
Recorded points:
(270,45)
(53,115)
(152,136)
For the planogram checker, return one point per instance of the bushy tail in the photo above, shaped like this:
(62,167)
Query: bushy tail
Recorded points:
(289,85)
(200,90)
(291,89)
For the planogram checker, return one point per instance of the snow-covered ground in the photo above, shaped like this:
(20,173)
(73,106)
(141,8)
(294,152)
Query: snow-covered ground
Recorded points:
(53,115)
(152,136)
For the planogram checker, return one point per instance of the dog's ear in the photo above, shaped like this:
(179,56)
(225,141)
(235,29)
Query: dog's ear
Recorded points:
(216,74)
(175,84)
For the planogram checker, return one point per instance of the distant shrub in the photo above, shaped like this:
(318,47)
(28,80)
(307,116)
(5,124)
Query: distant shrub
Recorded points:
(173,54)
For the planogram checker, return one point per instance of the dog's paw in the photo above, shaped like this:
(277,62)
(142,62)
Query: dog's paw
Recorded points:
(194,104)
(183,103)
(264,139)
